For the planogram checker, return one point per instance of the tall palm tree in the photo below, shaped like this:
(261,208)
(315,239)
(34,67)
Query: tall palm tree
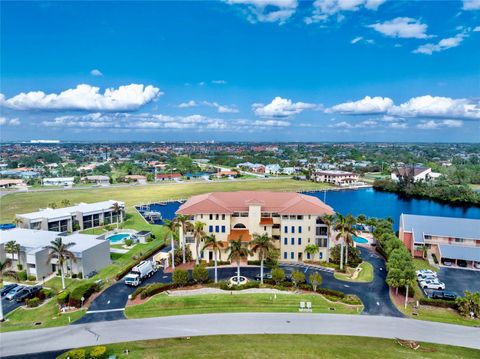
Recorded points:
(341,226)
(58,249)
(350,232)
(329,220)
(311,249)
(237,251)
(117,209)
(262,244)
(184,222)
(5,270)
(17,221)
(198,234)
(371,223)
(361,219)
(172,230)
(212,243)
(11,247)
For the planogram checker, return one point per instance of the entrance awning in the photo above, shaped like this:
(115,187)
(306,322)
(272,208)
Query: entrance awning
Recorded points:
(459,252)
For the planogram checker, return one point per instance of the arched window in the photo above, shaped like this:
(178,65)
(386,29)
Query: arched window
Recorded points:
(239,226)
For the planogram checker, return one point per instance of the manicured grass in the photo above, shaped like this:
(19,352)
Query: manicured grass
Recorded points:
(94,231)
(14,203)
(423,264)
(56,283)
(283,347)
(47,315)
(164,305)
(116,256)
(365,275)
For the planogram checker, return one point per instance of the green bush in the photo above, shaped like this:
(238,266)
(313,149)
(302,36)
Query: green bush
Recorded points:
(128,242)
(219,263)
(200,274)
(75,354)
(33,302)
(156,288)
(137,291)
(62,298)
(180,277)
(469,303)
(315,280)
(74,275)
(80,275)
(19,267)
(99,352)
(442,303)
(253,263)
(149,239)
(278,275)
(354,257)
(32,278)
(22,276)
(298,277)
(225,285)
(44,293)
(84,290)
(179,256)
(351,299)
(331,294)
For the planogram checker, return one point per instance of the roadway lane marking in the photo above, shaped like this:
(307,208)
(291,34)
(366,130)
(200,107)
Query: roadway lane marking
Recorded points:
(105,310)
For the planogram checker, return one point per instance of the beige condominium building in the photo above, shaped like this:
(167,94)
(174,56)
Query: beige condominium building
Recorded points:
(293,220)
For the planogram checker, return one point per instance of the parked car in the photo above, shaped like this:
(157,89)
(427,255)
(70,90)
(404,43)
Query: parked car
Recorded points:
(27,293)
(432,284)
(462,263)
(426,277)
(447,263)
(426,272)
(265,276)
(7,289)
(444,294)
(14,291)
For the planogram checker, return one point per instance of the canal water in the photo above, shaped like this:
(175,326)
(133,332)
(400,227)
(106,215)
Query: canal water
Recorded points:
(369,202)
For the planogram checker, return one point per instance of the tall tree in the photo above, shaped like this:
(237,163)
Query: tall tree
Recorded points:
(237,251)
(172,227)
(11,247)
(349,233)
(198,235)
(59,250)
(5,270)
(117,209)
(262,244)
(212,243)
(185,224)
(342,226)
(311,249)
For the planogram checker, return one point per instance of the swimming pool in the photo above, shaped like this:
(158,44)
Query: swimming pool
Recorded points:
(360,240)
(118,237)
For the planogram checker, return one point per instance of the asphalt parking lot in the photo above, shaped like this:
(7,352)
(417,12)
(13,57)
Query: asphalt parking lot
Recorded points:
(459,280)
(9,305)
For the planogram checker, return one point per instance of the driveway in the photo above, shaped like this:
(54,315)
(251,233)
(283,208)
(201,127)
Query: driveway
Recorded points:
(459,280)
(9,305)
(375,296)
(72,336)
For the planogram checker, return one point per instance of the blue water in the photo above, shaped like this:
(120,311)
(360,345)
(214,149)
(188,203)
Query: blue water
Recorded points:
(167,210)
(371,203)
(118,237)
(360,239)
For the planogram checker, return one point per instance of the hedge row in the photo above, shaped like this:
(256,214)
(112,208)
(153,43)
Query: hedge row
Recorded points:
(74,298)
(144,256)
(156,288)
(98,352)
(438,303)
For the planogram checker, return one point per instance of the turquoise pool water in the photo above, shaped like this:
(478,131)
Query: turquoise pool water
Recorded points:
(360,239)
(118,237)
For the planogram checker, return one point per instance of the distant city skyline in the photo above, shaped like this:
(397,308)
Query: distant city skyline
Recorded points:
(241,70)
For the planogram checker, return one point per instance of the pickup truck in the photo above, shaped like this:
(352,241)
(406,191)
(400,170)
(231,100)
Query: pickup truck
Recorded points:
(139,273)
(26,293)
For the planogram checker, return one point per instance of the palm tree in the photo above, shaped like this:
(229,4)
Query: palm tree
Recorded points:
(212,243)
(371,223)
(117,210)
(198,234)
(61,251)
(329,220)
(262,244)
(172,230)
(361,219)
(311,249)
(237,251)
(349,233)
(5,270)
(341,226)
(185,224)
(11,247)
(17,221)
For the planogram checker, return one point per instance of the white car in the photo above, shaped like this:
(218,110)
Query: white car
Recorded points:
(432,284)
(426,272)
(422,278)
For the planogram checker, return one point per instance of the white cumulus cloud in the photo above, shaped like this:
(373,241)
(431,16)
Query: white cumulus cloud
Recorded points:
(221,108)
(281,107)
(86,97)
(367,105)
(96,72)
(471,4)
(187,104)
(432,125)
(442,45)
(324,9)
(267,10)
(11,122)
(402,27)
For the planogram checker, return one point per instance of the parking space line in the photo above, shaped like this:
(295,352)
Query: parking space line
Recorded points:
(105,310)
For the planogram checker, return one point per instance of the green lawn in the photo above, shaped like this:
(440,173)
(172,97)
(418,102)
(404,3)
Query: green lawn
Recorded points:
(56,283)
(283,347)
(47,315)
(164,305)
(423,264)
(365,275)
(94,231)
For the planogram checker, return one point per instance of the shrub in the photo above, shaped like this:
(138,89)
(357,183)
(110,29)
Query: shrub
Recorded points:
(331,294)
(179,256)
(180,277)
(75,354)
(80,275)
(469,303)
(22,276)
(62,298)
(156,288)
(128,242)
(298,277)
(99,352)
(19,267)
(225,285)
(315,280)
(149,239)
(44,293)
(33,302)
(200,274)
(84,290)
(219,263)
(351,299)
(278,275)
(438,303)
(137,291)
(354,257)
(32,278)
(74,275)
(253,263)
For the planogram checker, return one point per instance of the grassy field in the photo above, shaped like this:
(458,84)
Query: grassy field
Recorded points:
(14,203)
(423,264)
(365,275)
(283,347)
(47,315)
(164,305)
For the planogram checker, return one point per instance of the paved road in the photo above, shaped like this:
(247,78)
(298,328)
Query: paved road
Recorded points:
(375,296)
(51,339)
(9,305)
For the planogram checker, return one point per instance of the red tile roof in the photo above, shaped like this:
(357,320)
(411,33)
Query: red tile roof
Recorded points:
(277,202)
(168,175)
(236,234)
(266,220)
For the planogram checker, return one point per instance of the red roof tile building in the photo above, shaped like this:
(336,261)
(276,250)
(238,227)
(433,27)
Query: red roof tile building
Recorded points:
(293,220)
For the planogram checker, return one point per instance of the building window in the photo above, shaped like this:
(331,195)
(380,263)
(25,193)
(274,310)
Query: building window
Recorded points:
(223,217)
(211,216)
(285,229)
(321,255)
(309,228)
(265,228)
(292,255)
(201,216)
(217,229)
(308,255)
(299,229)
(223,229)
(285,241)
(299,241)
(284,255)
(210,229)
(293,229)
(293,241)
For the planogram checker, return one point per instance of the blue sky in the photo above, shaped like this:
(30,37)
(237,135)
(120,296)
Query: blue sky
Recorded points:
(259,70)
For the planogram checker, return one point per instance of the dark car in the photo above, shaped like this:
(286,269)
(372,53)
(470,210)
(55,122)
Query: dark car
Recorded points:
(444,294)
(27,293)
(462,263)
(7,289)
(265,276)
